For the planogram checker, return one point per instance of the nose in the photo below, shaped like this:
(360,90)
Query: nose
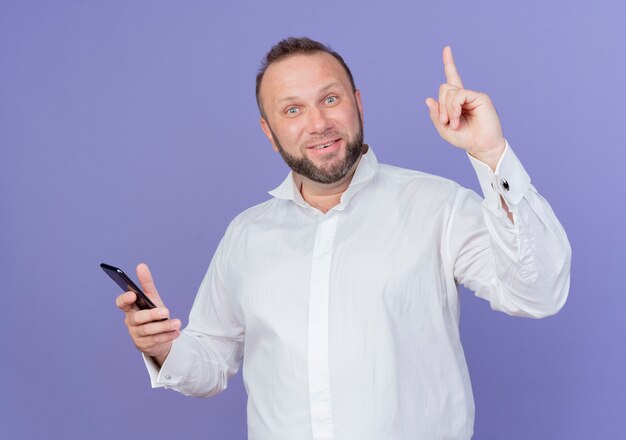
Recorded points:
(318,121)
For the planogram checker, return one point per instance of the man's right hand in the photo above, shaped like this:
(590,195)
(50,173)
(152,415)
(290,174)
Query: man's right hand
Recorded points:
(150,335)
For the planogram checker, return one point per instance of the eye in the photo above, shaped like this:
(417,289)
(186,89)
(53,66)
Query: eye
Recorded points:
(331,100)
(292,110)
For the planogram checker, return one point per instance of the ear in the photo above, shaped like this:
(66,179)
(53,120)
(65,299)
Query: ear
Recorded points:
(265,126)
(357,96)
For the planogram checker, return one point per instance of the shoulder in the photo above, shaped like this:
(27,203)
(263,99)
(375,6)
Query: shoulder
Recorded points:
(256,214)
(403,180)
(241,227)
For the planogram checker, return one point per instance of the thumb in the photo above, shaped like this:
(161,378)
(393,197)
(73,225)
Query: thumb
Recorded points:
(147,284)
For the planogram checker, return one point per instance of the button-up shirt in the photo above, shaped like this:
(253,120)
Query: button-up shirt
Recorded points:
(347,323)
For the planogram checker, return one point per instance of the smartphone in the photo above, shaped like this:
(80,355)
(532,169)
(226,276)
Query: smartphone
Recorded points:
(126,284)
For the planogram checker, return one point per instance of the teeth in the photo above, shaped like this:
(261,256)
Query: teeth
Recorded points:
(319,147)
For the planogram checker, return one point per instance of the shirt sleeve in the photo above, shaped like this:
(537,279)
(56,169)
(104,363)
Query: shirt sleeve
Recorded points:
(210,349)
(521,268)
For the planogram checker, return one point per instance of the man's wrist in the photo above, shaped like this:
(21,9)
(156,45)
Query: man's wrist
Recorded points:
(492,156)
(159,359)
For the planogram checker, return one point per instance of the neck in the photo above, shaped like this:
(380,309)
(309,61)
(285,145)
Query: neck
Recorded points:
(325,196)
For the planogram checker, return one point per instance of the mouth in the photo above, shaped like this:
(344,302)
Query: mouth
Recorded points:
(324,146)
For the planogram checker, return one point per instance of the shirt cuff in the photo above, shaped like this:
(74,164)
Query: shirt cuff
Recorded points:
(510,180)
(174,369)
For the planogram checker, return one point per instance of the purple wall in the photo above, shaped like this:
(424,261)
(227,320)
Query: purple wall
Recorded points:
(129,132)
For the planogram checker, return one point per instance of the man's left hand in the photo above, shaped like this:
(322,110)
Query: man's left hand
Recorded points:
(465,118)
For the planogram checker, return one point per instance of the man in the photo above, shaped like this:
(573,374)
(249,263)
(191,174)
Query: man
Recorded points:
(340,292)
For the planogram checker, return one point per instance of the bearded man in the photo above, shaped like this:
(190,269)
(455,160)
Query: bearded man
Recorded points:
(339,294)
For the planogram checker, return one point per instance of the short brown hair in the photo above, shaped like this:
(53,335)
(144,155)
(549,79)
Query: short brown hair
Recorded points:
(295,46)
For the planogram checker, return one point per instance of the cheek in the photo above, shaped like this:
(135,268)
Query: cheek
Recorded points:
(351,120)
(346,115)
(290,133)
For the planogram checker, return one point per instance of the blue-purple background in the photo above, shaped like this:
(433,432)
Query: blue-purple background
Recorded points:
(129,132)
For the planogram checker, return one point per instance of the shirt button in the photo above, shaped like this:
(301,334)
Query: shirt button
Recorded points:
(504,184)
(168,377)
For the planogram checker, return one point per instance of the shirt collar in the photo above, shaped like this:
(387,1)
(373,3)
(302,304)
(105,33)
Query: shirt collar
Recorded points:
(367,168)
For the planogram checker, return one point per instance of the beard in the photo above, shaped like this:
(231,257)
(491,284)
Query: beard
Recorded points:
(332,173)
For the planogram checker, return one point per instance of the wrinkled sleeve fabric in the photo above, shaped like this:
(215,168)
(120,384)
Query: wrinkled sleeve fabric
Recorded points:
(210,349)
(521,268)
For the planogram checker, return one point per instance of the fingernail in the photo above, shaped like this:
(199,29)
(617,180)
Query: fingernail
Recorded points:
(162,313)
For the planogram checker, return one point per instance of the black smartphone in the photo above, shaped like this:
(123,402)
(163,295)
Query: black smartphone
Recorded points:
(126,284)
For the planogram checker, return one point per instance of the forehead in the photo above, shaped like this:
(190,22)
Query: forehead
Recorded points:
(302,74)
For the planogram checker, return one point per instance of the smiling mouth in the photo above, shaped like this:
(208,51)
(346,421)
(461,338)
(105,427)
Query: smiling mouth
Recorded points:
(322,146)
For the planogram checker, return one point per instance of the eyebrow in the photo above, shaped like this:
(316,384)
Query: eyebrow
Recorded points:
(322,90)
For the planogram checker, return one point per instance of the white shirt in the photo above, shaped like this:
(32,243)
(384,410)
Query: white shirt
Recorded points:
(349,321)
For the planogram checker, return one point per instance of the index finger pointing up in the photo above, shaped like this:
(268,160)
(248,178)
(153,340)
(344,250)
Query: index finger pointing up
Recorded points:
(452,75)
